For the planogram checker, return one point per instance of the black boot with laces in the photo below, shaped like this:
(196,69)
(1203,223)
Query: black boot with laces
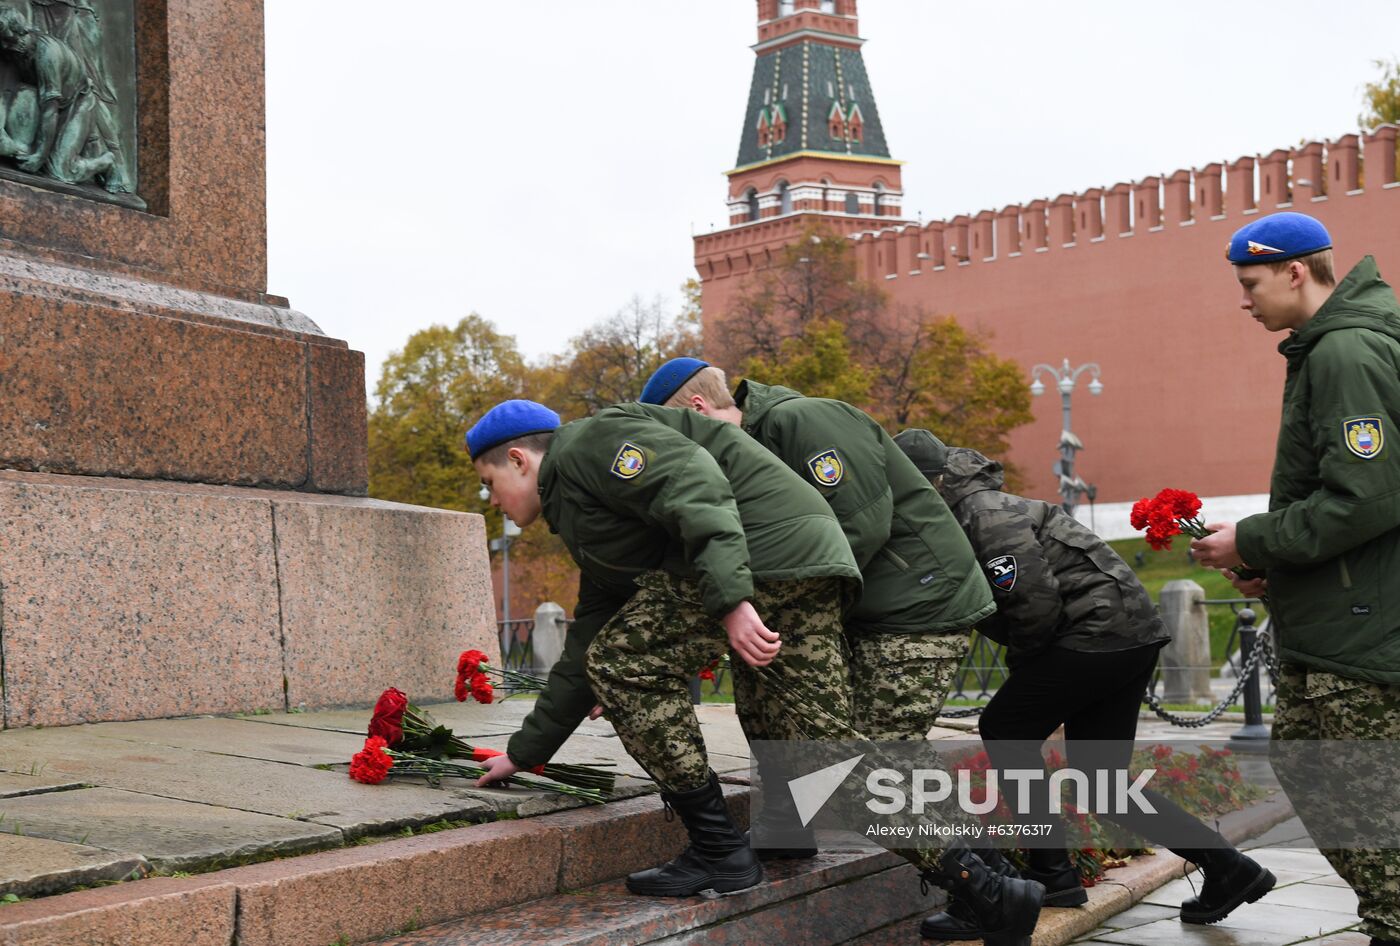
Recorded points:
(718,857)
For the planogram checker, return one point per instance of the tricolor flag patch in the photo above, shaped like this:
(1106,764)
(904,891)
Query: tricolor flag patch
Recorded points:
(1001,571)
(629,462)
(1364,436)
(1262,249)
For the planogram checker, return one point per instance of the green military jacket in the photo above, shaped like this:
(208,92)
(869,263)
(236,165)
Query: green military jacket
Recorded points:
(1056,583)
(920,573)
(1330,541)
(638,487)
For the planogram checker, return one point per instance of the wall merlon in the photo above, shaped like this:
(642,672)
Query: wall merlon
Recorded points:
(1033,227)
(958,238)
(1177,198)
(1379,156)
(1008,229)
(1088,214)
(1273,180)
(1118,210)
(1209,196)
(1147,204)
(1061,221)
(1239,187)
(983,245)
(1308,180)
(1344,166)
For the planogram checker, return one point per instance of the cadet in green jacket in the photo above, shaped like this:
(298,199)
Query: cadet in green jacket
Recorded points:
(1329,545)
(1081,637)
(909,632)
(691,538)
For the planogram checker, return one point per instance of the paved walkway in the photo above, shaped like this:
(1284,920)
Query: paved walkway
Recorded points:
(1311,904)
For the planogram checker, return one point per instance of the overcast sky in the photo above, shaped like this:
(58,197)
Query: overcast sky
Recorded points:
(541,161)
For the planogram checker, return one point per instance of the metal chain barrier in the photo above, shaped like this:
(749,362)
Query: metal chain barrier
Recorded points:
(1196,722)
(1262,655)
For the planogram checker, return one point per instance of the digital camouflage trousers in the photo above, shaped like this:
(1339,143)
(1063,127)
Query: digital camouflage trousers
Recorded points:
(1312,705)
(641,661)
(899,681)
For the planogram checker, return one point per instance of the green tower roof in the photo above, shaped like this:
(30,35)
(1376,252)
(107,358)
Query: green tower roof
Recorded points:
(826,100)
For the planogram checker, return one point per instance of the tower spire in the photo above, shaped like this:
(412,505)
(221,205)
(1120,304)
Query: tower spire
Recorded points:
(812,139)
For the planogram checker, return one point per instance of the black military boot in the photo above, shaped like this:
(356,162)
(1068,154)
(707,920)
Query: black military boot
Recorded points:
(778,827)
(1229,879)
(1063,888)
(717,858)
(1377,941)
(958,922)
(1006,908)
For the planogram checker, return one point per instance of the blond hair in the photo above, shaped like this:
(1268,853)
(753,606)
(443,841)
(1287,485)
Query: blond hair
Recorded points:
(535,443)
(1319,265)
(709,383)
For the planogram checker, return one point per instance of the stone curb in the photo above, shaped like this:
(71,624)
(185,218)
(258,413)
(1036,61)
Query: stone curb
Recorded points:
(1126,886)
(366,892)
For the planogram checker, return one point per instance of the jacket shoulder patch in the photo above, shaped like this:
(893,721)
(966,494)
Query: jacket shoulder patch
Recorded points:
(827,468)
(1001,571)
(629,462)
(1364,436)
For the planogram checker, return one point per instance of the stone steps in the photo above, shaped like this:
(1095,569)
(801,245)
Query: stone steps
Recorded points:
(362,893)
(829,899)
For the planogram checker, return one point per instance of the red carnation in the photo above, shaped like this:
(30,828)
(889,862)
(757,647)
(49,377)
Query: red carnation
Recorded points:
(1138,517)
(1183,504)
(371,764)
(469,663)
(387,722)
(481,689)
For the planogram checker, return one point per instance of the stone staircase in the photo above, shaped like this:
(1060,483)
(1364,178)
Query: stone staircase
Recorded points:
(552,878)
(830,899)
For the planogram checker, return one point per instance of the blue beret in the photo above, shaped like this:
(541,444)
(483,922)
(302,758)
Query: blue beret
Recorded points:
(507,421)
(669,378)
(1277,237)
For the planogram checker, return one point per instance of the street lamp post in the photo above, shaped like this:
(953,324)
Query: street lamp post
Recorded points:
(1071,485)
(509,530)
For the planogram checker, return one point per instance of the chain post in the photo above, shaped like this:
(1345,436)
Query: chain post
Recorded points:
(1253,729)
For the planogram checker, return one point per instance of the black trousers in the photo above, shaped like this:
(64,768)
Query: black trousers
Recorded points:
(1096,696)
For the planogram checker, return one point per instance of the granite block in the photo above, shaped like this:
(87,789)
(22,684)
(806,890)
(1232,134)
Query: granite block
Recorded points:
(339,421)
(605,843)
(377,595)
(95,390)
(32,867)
(318,797)
(202,157)
(384,887)
(241,738)
(125,604)
(15,784)
(157,912)
(170,834)
(824,900)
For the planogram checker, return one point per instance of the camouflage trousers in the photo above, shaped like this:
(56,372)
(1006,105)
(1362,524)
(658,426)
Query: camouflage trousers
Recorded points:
(641,661)
(1324,706)
(899,681)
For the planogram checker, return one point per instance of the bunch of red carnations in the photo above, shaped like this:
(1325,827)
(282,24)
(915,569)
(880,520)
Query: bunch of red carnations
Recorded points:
(1170,513)
(474,673)
(406,739)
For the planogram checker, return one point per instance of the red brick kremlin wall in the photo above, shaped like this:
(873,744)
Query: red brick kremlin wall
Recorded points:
(1134,278)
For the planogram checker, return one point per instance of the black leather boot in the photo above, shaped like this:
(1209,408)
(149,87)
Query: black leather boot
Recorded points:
(1063,888)
(779,829)
(1006,908)
(717,858)
(958,922)
(1229,879)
